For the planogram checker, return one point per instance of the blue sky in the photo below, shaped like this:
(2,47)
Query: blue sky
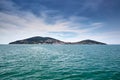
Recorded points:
(67,20)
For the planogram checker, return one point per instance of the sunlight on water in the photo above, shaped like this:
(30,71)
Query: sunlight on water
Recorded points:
(63,62)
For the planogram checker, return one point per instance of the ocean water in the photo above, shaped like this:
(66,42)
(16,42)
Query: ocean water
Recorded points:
(59,62)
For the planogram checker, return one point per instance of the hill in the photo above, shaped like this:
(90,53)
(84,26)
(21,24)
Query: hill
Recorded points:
(38,40)
(89,42)
(48,40)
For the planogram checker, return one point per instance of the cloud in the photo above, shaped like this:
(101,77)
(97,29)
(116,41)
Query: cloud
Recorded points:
(91,5)
(8,5)
(17,24)
(64,34)
(31,25)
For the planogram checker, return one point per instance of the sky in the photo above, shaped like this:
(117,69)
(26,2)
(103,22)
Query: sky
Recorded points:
(66,20)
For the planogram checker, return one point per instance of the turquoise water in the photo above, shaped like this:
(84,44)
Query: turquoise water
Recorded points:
(59,62)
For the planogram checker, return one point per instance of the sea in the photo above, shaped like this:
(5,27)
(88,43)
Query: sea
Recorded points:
(59,62)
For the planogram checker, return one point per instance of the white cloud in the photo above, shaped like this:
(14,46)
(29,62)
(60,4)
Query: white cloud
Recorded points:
(28,25)
(22,24)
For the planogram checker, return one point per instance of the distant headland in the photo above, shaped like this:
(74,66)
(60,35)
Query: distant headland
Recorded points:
(49,40)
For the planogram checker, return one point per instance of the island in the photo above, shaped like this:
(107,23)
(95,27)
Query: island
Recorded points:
(49,40)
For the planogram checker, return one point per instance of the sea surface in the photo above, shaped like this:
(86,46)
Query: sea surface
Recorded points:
(59,62)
